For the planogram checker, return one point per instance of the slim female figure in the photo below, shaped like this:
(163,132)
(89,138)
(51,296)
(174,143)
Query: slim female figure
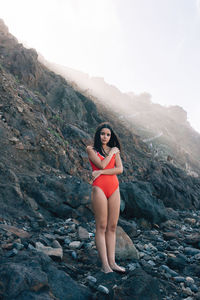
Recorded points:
(106,163)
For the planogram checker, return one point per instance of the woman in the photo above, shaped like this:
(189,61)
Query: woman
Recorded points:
(106,163)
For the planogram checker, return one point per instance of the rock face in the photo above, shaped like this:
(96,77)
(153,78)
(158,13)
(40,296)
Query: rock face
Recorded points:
(165,129)
(139,201)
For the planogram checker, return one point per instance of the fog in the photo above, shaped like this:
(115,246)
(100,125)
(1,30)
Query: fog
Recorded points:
(139,46)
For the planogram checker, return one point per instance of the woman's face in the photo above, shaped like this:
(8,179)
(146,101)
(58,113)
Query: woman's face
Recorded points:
(105,135)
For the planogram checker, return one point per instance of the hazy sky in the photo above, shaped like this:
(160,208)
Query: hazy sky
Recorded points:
(138,45)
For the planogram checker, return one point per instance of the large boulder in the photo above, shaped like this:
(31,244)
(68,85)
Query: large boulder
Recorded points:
(60,196)
(125,248)
(140,202)
(33,276)
(139,286)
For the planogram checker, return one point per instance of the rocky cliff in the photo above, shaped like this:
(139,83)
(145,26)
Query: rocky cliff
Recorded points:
(165,130)
(45,125)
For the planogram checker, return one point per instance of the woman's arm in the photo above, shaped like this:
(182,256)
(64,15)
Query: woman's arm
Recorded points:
(114,171)
(118,167)
(101,164)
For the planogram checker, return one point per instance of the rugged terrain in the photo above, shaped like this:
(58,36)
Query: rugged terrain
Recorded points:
(45,125)
(166,130)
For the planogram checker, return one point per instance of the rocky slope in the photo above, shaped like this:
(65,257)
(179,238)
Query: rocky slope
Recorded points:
(45,125)
(166,130)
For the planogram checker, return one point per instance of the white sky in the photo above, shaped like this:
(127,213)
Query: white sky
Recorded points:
(138,45)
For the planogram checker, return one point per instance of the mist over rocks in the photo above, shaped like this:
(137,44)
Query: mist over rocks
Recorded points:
(45,125)
(166,130)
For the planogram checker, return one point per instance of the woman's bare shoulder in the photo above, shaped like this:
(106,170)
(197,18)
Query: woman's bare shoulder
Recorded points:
(89,148)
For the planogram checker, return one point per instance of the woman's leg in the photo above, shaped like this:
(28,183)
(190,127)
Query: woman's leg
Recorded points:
(113,216)
(100,209)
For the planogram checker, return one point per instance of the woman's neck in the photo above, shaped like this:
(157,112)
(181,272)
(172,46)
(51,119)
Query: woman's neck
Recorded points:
(106,149)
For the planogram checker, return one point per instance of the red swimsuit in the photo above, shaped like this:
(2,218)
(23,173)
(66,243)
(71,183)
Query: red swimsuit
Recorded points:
(108,183)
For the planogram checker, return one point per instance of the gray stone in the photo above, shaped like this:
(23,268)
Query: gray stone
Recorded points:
(83,233)
(125,248)
(56,244)
(52,252)
(150,262)
(75,245)
(179,279)
(103,289)
(12,252)
(191,251)
(18,246)
(67,241)
(189,279)
(74,255)
(131,267)
(92,279)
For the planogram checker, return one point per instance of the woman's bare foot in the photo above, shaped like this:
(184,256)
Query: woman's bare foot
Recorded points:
(117,268)
(106,270)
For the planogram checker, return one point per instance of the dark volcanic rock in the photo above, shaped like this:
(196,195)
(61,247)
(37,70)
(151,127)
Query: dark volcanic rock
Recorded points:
(172,186)
(139,285)
(178,263)
(140,202)
(30,273)
(59,196)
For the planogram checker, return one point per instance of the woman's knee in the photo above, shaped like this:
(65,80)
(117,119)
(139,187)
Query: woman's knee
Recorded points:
(101,227)
(112,227)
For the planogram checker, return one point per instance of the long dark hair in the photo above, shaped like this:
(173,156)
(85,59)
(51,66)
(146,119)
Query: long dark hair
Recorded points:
(113,142)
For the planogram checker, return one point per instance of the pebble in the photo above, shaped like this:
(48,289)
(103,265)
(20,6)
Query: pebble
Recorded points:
(12,252)
(56,244)
(68,221)
(83,233)
(18,246)
(179,279)
(67,241)
(52,252)
(74,255)
(103,289)
(169,271)
(194,288)
(150,262)
(131,267)
(92,279)
(189,279)
(191,251)
(75,245)
(150,247)
(31,247)
(88,245)
(190,221)
(186,290)
(72,228)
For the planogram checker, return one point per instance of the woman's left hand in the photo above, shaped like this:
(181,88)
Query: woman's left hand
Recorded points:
(96,174)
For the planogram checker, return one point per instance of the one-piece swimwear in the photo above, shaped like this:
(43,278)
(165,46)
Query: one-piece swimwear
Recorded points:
(108,183)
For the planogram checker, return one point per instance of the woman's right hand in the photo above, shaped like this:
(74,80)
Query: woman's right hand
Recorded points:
(114,150)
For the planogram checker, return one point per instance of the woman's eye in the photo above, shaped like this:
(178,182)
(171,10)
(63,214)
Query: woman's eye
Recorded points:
(103,133)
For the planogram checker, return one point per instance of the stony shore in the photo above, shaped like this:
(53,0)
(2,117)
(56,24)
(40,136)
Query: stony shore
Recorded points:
(59,260)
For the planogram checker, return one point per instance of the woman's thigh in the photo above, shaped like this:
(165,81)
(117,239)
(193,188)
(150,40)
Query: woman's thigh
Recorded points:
(114,208)
(99,206)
